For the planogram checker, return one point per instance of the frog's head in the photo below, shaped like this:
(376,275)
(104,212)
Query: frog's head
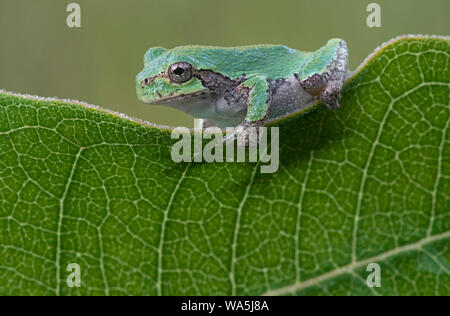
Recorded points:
(168,77)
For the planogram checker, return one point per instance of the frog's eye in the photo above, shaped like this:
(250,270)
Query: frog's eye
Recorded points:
(180,72)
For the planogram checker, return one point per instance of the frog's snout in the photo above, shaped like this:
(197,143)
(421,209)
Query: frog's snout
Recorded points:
(141,84)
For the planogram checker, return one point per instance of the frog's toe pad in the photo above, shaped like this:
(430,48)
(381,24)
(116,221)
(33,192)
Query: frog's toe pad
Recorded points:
(246,136)
(330,97)
(229,138)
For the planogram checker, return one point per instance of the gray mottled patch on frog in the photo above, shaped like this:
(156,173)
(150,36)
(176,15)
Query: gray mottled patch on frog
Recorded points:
(216,83)
(287,96)
(315,83)
(237,95)
(228,96)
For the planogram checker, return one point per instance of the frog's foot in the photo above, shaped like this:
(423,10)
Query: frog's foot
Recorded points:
(328,85)
(332,90)
(246,134)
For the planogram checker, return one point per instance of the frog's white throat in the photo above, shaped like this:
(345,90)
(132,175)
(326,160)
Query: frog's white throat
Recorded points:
(193,104)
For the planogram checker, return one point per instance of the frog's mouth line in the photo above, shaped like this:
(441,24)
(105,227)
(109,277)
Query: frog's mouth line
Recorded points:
(179,97)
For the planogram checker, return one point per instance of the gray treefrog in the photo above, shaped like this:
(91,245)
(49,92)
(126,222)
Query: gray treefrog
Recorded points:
(245,86)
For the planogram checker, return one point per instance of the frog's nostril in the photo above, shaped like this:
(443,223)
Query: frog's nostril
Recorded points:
(146,81)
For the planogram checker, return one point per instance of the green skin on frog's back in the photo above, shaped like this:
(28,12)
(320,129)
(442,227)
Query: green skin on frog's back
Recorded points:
(245,85)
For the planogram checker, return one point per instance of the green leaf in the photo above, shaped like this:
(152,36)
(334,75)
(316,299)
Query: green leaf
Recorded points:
(367,184)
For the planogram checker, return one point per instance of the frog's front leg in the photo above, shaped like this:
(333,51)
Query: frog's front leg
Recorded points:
(257,106)
(330,82)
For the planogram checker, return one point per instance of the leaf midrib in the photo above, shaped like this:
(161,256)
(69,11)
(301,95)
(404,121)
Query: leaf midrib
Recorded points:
(353,266)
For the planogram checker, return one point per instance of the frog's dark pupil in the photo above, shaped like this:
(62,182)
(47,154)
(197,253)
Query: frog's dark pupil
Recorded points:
(178,71)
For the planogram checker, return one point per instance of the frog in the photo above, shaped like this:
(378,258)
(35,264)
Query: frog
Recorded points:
(243,86)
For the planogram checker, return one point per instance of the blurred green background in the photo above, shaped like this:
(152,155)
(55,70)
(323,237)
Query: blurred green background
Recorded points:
(98,62)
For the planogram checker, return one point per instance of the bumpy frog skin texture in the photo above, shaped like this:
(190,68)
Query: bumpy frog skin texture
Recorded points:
(245,85)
